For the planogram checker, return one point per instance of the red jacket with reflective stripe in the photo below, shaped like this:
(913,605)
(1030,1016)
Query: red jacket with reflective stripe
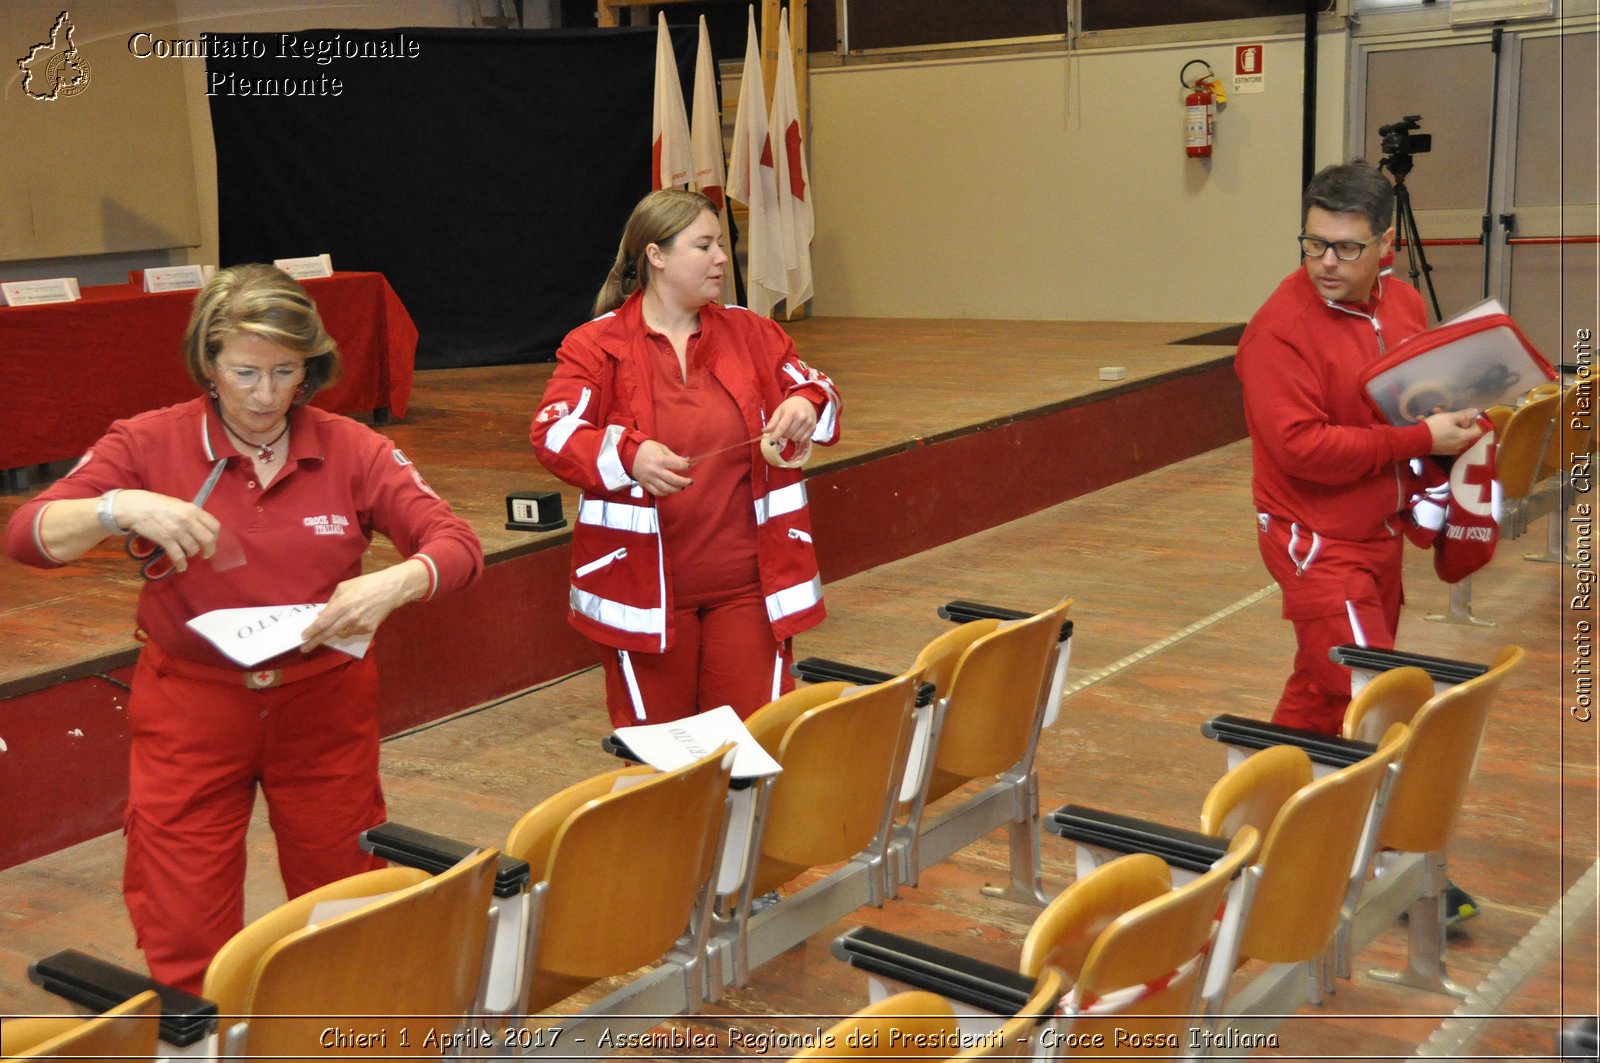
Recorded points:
(598,409)
(1322,456)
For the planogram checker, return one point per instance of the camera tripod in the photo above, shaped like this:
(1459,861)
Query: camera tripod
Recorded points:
(1405,221)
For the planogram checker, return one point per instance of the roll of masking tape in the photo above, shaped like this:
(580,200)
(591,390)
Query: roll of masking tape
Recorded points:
(784,454)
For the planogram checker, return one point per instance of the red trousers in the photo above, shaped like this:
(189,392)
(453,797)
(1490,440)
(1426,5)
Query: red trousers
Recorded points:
(1334,592)
(200,748)
(723,653)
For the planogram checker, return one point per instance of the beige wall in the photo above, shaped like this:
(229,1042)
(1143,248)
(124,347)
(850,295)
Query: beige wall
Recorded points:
(1021,188)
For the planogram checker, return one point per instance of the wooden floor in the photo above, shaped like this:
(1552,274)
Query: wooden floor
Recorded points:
(1145,560)
(467,430)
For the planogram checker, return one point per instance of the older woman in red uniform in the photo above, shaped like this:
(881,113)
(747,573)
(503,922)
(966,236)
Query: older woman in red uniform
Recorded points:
(300,495)
(692,556)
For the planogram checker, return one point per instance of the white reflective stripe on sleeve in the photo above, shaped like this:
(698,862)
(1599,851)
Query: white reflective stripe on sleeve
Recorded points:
(433,574)
(562,430)
(609,463)
(636,698)
(777,675)
(618,516)
(783,500)
(827,421)
(828,418)
(1355,624)
(796,599)
(616,615)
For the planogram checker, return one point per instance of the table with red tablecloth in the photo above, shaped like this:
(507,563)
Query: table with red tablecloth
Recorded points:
(67,370)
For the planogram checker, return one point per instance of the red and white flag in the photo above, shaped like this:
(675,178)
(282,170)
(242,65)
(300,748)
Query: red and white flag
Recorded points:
(755,185)
(710,174)
(796,220)
(671,162)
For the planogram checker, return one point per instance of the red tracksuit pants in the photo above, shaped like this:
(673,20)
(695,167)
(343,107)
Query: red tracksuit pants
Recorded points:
(1334,592)
(723,653)
(200,748)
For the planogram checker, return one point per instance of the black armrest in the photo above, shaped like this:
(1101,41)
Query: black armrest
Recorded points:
(821,670)
(1187,849)
(434,853)
(950,974)
(1258,734)
(962,612)
(1442,669)
(98,985)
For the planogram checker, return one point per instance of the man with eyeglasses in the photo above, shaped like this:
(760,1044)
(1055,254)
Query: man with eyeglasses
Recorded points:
(1331,479)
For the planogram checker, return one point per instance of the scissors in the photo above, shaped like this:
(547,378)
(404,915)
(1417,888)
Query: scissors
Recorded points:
(157,565)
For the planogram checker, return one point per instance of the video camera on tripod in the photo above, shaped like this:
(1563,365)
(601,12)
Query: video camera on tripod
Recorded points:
(1400,142)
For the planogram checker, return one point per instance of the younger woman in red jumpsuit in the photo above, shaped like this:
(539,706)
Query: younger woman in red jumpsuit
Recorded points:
(692,556)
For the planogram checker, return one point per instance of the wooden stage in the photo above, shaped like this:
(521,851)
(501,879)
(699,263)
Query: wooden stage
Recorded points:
(1175,617)
(950,427)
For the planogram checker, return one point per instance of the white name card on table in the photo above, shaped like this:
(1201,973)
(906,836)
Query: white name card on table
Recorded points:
(250,636)
(304,268)
(670,746)
(177,278)
(30,293)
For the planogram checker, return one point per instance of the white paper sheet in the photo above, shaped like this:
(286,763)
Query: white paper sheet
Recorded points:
(250,636)
(670,746)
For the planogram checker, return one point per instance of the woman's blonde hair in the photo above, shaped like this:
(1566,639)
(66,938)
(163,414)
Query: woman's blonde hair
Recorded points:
(657,219)
(262,301)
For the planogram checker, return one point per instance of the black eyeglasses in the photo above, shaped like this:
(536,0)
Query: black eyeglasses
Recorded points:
(1343,250)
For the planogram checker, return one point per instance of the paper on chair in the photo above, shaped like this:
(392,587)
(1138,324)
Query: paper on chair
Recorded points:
(250,636)
(670,746)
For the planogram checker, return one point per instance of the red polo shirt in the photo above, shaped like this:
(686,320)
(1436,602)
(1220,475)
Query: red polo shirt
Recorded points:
(301,536)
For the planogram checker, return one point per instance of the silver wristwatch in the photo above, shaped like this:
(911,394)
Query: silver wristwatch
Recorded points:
(108,520)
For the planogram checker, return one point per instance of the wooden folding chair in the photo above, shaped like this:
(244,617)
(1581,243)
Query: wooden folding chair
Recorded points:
(410,946)
(993,683)
(1568,463)
(1306,878)
(125,1032)
(624,865)
(843,752)
(1423,806)
(1136,950)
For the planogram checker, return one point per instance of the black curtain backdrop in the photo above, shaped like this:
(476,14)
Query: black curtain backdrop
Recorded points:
(488,178)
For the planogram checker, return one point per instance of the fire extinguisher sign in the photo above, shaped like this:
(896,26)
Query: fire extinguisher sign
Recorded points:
(1247,72)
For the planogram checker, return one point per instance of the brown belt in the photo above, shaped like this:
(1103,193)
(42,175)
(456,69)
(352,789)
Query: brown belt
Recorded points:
(259,679)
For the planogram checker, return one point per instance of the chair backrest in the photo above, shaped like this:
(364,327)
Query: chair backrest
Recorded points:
(1574,430)
(1529,434)
(1307,857)
(842,762)
(126,1032)
(1067,929)
(1253,792)
(995,699)
(768,724)
(1390,697)
(1147,967)
(1437,761)
(416,953)
(622,869)
(232,971)
(893,1028)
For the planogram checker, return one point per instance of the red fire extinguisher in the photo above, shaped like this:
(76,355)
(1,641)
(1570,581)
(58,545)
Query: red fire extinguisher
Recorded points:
(1199,110)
